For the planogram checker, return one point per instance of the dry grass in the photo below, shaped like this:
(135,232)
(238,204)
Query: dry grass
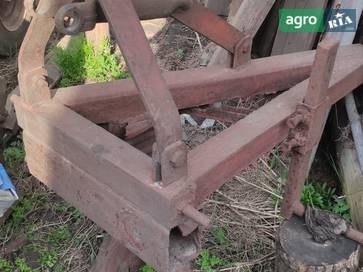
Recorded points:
(244,212)
(9,71)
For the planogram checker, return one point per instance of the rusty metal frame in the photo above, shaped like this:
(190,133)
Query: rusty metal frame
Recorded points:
(150,204)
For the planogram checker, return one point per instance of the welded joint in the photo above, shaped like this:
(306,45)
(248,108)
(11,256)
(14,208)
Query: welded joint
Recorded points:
(299,124)
(173,162)
(242,51)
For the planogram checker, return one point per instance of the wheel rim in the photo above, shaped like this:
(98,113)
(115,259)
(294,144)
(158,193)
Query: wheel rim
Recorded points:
(12,13)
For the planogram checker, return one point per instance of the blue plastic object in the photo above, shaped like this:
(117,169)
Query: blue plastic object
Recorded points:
(5,182)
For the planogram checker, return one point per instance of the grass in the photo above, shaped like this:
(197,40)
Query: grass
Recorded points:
(14,154)
(320,195)
(147,268)
(56,236)
(82,61)
(208,262)
(315,194)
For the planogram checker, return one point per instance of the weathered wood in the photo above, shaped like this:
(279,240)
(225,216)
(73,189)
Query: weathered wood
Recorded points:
(289,42)
(265,37)
(233,8)
(98,34)
(220,7)
(248,18)
(298,252)
(152,27)
(352,179)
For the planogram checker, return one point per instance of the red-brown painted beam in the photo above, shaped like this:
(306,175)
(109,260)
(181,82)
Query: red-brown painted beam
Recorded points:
(119,100)
(312,129)
(213,162)
(209,24)
(122,220)
(122,168)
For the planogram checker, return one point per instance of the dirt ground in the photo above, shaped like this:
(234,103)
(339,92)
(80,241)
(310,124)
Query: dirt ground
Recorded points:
(50,235)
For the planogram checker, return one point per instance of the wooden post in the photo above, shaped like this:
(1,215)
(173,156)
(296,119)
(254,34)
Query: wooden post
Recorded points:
(352,179)
(298,252)
(297,41)
(233,8)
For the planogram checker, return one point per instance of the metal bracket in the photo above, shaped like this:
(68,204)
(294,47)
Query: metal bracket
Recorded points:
(242,51)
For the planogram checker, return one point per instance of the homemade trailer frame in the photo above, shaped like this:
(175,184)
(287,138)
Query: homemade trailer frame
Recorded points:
(149,204)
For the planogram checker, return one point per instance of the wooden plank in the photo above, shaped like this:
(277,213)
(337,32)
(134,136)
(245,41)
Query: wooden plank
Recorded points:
(233,8)
(265,37)
(297,41)
(248,18)
(352,181)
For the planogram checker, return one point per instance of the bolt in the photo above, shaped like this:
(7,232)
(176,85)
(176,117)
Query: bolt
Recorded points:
(178,158)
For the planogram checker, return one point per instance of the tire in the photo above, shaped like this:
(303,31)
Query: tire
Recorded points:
(13,28)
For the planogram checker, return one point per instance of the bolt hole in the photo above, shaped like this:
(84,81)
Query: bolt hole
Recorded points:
(68,21)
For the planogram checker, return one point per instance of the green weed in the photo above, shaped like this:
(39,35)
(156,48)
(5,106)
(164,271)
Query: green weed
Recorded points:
(322,196)
(318,195)
(59,235)
(21,210)
(147,268)
(22,266)
(341,207)
(48,259)
(81,61)
(6,266)
(180,54)
(220,236)
(208,262)
(14,154)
